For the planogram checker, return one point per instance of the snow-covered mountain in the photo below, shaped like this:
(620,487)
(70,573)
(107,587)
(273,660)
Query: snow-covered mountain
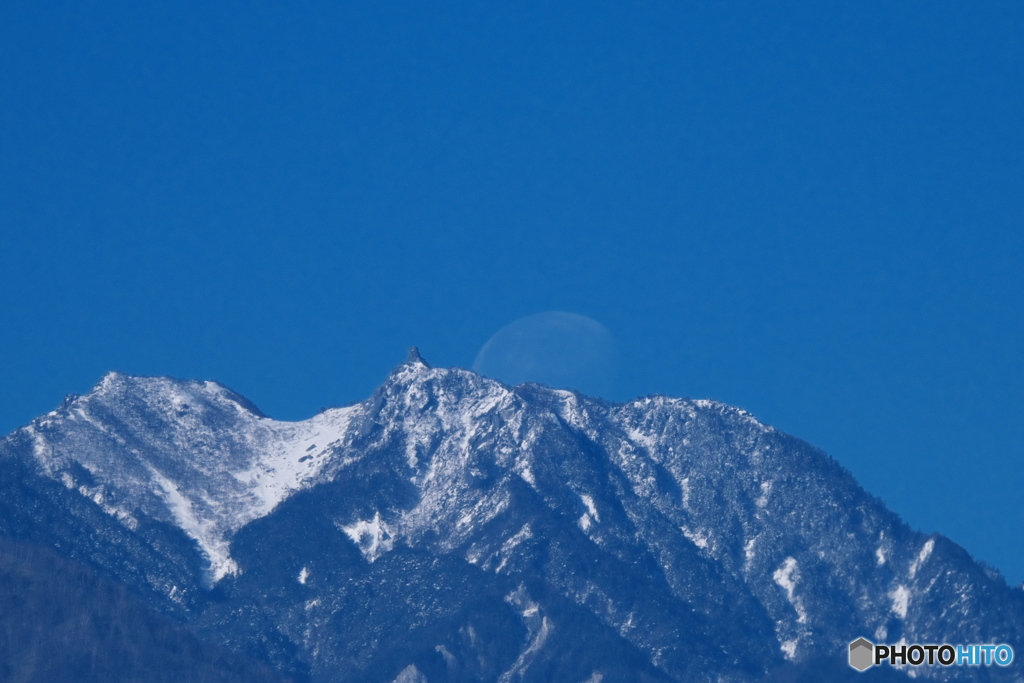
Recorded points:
(193,454)
(452,528)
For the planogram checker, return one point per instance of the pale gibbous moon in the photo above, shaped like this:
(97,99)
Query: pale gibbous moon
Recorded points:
(559,349)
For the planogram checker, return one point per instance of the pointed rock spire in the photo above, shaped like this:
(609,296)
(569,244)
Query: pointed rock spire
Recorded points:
(416,358)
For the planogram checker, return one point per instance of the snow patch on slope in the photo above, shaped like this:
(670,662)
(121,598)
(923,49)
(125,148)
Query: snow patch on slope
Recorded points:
(698,538)
(786,576)
(373,537)
(900,601)
(591,515)
(410,674)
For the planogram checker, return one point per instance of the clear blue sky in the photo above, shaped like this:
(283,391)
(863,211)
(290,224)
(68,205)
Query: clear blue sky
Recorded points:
(810,210)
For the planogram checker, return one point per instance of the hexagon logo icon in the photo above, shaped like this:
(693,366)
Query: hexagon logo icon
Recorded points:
(862,654)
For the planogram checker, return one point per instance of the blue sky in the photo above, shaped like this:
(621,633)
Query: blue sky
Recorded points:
(809,210)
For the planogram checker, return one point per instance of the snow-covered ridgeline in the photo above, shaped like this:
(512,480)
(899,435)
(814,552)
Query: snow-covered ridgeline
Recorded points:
(190,453)
(736,522)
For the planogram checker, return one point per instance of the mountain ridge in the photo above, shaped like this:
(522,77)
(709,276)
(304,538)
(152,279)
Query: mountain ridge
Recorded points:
(685,535)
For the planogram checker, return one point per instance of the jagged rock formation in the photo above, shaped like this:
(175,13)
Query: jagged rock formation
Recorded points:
(450,528)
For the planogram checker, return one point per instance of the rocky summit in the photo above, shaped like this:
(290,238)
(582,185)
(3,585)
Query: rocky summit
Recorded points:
(452,528)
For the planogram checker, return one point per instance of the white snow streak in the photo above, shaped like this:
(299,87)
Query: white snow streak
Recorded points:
(922,557)
(900,601)
(786,576)
(204,531)
(748,549)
